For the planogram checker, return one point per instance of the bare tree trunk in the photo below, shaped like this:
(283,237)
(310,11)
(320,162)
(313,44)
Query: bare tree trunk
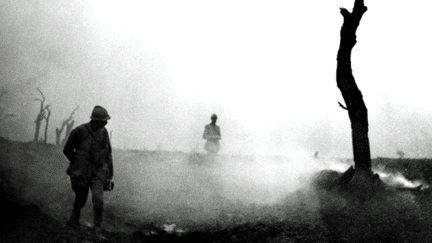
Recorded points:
(37,129)
(58,134)
(40,116)
(353,98)
(47,117)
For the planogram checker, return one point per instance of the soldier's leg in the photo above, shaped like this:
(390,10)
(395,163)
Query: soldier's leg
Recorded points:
(81,194)
(97,188)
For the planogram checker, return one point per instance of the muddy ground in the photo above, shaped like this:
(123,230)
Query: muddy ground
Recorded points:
(181,197)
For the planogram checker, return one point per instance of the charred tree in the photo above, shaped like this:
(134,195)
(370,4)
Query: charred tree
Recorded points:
(59,132)
(41,115)
(65,124)
(46,118)
(351,94)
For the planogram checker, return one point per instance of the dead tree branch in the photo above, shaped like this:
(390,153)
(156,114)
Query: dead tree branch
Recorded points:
(342,106)
(65,123)
(41,115)
(69,127)
(3,115)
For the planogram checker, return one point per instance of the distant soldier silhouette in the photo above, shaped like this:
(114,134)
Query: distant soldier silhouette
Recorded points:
(88,149)
(212,134)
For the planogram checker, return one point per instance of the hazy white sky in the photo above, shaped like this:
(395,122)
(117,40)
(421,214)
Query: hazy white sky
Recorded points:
(267,68)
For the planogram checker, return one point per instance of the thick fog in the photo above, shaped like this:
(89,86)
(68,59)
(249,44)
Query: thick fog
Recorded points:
(267,69)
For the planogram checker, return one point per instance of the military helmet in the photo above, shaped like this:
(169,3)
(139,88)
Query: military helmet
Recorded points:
(99,114)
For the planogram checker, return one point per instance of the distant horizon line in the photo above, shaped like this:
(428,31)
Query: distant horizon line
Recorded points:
(340,158)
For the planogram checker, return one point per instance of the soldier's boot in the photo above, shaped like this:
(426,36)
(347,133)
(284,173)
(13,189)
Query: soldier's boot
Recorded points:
(73,221)
(98,212)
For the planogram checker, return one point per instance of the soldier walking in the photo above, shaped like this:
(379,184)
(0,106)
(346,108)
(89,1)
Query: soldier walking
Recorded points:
(212,134)
(88,150)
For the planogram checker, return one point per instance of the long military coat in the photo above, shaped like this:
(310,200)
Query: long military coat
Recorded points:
(89,153)
(212,134)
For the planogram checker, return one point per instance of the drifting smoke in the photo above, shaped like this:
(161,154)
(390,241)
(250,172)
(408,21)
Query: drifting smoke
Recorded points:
(176,187)
(163,186)
(398,180)
(195,187)
(167,187)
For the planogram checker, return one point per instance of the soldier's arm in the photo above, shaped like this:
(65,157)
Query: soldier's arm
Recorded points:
(71,145)
(110,165)
(109,156)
